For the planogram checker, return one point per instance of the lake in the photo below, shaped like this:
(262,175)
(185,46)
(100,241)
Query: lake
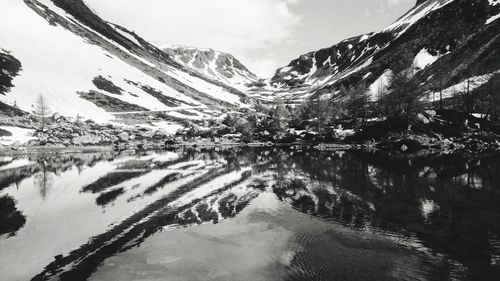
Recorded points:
(250,214)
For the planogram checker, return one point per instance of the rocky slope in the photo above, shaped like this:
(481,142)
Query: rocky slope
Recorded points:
(446,40)
(88,67)
(214,64)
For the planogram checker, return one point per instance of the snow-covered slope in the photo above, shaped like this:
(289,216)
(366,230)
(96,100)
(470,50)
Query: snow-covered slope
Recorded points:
(86,66)
(443,39)
(216,65)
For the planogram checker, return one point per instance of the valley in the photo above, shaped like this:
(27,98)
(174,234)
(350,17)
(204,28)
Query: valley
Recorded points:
(373,158)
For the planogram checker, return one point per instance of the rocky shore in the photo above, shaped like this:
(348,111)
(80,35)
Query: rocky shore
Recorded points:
(433,133)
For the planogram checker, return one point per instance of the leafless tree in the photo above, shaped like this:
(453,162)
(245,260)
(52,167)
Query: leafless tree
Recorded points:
(42,110)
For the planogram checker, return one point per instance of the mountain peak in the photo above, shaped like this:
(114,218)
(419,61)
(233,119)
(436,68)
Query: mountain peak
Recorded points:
(218,65)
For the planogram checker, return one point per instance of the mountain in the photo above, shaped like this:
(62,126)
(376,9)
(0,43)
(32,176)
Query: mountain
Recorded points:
(446,41)
(216,65)
(86,66)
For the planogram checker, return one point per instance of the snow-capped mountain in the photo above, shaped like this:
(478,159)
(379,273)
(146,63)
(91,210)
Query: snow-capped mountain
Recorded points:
(86,66)
(214,64)
(448,41)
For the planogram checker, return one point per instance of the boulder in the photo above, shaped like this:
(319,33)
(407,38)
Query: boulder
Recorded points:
(423,119)
(88,139)
(56,116)
(16,144)
(123,136)
(408,145)
(34,143)
(431,113)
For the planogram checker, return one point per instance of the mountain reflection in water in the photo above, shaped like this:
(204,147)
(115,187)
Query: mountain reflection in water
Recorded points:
(249,214)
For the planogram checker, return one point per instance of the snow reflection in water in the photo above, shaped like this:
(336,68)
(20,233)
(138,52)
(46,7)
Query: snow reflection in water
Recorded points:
(249,214)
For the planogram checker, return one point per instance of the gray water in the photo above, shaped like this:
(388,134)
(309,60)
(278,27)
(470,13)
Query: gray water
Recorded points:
(250,214)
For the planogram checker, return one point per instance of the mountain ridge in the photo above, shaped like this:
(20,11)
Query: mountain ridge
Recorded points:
(431,31)
(76,47)
(218,65)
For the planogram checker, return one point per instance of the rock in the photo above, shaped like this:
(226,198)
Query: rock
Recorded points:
(447,142)
(34,143)
(431,113)
(171,141)
(423,119)
(161,134)
(16,144)
(56,116)
(408,145)
(88,139)
(124,136)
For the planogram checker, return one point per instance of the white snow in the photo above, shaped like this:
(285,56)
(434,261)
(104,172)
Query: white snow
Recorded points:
(366,63)
(165,126)
(492,19)
(20,135)
(57,64)
(427,207)
(17,164)
(417,13)
(239,80)
(64,193)
(62,64)
(343,133)
(128,36)
(473,83)
(364,38)
(424,59)
(209,187)
(380,85)
(203,86)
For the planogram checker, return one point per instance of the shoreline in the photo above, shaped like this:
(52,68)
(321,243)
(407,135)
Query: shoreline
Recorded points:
(365,147)
(48,150)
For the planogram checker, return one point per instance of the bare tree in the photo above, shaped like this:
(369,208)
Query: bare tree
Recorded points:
(43,179)
(42,110)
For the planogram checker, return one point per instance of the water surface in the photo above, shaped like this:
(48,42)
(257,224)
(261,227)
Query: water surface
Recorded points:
(249,214)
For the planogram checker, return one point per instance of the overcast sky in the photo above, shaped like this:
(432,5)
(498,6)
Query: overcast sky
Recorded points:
(263,34)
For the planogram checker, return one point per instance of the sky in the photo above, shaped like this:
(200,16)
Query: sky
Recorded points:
(263,34)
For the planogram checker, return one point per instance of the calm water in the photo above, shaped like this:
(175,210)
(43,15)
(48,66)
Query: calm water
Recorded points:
(249,214)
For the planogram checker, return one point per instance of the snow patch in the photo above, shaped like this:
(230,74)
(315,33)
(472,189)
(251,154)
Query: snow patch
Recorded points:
(472,83)
(128,36)
(428,207)
(417,13)
(492,19)
(380,85)
(20,135)
(17,164)
(65,64)
(424,59)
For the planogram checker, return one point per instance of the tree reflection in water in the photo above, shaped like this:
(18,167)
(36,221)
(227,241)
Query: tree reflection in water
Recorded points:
(447,205)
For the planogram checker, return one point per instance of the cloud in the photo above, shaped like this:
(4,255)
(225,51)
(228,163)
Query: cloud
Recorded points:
(398,2)
(234,26)
(263,67)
